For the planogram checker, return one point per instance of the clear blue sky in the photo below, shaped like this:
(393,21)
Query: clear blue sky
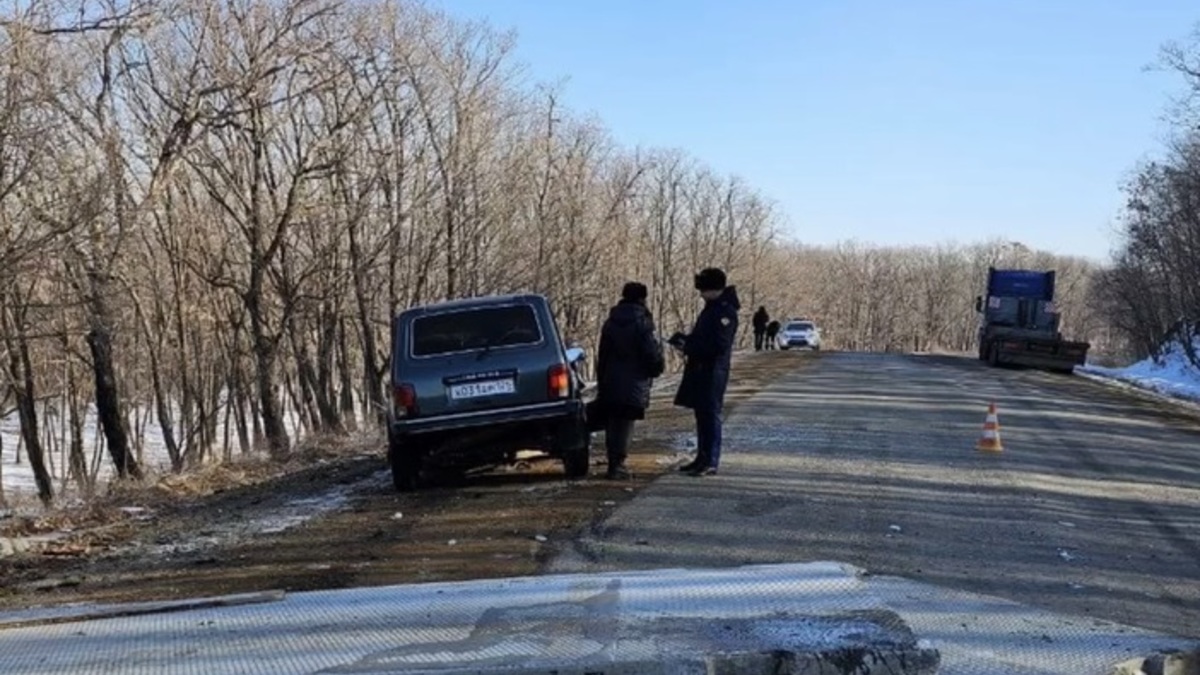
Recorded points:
(887,121)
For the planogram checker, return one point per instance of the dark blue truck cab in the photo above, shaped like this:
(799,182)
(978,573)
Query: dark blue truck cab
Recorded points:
(1019,323)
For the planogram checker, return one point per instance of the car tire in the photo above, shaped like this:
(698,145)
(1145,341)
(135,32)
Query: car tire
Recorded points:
(576,459)
(405,462)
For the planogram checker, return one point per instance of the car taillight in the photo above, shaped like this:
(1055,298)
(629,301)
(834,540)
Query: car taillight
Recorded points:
(404,400)
(559,381)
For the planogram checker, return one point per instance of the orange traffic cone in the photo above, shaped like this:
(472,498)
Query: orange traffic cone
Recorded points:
(990,440)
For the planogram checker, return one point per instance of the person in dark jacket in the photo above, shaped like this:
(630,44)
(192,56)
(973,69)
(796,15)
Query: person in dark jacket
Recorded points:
(761,318)
(708,350)
(772,335)
(628,359)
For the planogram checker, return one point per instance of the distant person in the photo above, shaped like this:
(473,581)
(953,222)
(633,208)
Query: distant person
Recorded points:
(772,335)
(630,356)
(708,351)
(761,318)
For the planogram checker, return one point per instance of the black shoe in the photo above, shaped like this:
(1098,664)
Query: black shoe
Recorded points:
(617,473)
(703,471)
(690,466)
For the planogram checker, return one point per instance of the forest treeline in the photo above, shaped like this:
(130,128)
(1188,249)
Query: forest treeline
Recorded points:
(1152,287)
(209,211)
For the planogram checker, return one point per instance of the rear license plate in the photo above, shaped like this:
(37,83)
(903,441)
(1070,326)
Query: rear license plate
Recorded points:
(480,389)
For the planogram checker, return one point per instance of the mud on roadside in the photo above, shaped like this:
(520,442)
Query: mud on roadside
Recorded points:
(338,523)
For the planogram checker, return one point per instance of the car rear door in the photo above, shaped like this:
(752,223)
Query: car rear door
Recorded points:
(480,358)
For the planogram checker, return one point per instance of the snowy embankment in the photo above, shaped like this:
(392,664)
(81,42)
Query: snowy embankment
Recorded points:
(1173,374)
(16,477)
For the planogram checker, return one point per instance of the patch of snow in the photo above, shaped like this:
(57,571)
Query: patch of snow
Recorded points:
(300,511)
(138,513)
(146,442)
(683,443)
(1172,375)
(273,521)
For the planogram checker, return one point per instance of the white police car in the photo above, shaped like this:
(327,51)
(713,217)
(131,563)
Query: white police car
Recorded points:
(799,333)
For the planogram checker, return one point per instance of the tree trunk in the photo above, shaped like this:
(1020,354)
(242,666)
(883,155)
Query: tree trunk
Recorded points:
(77,457)
(278,444)
(331,419)
(308,387)
(371,390)
(108,407)
(165,421)
(345,381)
(238,401)
(20,370)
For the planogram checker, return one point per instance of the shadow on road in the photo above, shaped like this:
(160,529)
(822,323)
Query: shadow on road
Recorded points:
(1093,507)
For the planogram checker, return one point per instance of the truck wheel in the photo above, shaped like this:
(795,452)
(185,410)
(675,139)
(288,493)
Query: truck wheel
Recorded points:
(405,461)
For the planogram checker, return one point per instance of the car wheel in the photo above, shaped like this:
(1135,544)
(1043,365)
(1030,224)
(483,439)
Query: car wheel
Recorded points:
(576,463)
(405,461)
(576,458)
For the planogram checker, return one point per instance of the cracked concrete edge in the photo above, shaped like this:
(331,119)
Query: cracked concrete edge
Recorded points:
(98,612)
(841,661)
(1173,662)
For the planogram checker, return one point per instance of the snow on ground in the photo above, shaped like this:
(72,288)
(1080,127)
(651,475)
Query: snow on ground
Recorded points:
(1173,375)
(235,527)
(18,484)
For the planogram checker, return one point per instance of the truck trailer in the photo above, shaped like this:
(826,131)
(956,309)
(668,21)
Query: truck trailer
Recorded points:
(1019,323)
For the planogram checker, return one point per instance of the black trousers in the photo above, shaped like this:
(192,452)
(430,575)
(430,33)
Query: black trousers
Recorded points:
(708,438)
(617,433)
(760,337)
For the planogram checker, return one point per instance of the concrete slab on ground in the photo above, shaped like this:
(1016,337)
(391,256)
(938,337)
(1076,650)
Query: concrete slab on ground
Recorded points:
(797,618)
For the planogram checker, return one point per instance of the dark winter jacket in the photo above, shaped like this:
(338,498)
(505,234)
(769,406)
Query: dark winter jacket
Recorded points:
(629,357)
(773,329)
(708,350)
(760,320)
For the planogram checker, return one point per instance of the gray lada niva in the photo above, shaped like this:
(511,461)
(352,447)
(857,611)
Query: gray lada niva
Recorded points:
(475,381)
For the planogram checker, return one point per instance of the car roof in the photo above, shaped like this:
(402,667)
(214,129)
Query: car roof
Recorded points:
(473,303)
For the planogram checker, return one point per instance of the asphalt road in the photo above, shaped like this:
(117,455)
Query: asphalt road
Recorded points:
(1091,510)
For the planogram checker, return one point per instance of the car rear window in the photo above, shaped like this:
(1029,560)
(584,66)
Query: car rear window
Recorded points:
(800,326)
(465,330)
